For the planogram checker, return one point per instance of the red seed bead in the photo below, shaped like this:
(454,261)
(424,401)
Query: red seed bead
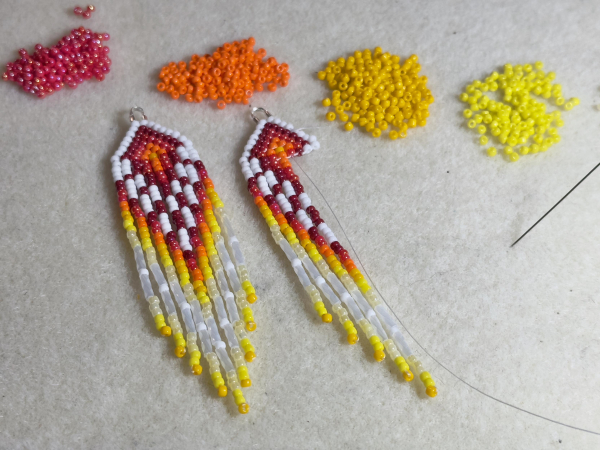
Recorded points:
(78,10)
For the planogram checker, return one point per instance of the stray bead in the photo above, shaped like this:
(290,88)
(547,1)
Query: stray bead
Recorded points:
(87,14)
(78,11)
(91,8)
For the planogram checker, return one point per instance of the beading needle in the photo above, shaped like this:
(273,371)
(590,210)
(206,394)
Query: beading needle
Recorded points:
(541,218)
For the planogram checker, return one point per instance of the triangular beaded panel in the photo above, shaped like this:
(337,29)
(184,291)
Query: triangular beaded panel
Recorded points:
(299,142)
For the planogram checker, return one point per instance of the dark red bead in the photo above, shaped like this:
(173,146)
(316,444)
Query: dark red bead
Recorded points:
(195,241)
(160,207)
(336,246)
(297,187)
(320,241)
(344,255)
(313,233)
(296,225)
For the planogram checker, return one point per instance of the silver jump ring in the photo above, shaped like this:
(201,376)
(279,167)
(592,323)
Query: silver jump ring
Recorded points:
(137,109)
(254,109)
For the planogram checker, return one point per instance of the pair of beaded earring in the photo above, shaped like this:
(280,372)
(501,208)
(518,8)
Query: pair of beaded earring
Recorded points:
(321,263)
(161,182)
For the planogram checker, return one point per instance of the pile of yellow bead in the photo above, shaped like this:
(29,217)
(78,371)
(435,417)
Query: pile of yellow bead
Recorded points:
(518,118)
(376,92)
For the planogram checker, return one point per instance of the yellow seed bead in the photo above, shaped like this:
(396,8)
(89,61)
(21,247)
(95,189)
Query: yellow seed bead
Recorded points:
(483,140)
(379,355)
(197,369)
(250,356)
(481,129)
(492,151)
(165,331)
(222,391)
(472,123)
(468,113)
(180,351)
(393,135)
(330,116)
(327,318)
(348,126)
(352,338)
(513,157)
(326,102)
(376,132)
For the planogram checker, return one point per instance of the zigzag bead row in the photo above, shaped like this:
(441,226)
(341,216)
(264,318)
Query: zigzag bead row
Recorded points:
(161,181)
(313,249)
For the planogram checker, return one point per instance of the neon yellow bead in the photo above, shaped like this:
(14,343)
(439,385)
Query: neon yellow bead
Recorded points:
(472,123)
(483,140)
(468,113)
(348,126)
(481,129)
(524,150)
(513,157)
(492,151)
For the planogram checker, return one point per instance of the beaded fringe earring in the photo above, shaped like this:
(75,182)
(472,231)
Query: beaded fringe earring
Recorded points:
(317,257)
(160,181)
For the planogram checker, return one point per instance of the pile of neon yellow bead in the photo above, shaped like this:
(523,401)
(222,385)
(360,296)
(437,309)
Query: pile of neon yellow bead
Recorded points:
(377,92)
(519,119)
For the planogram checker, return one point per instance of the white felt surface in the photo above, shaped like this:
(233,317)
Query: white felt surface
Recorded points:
(81,365)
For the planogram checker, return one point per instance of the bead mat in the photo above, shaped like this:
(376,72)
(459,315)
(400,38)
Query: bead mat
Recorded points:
(430,217)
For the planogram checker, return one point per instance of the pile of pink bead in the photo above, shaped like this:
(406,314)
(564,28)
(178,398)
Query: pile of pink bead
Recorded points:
(73,60)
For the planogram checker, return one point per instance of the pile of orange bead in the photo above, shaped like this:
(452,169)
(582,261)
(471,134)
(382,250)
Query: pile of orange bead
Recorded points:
(377,92)
(232,73)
